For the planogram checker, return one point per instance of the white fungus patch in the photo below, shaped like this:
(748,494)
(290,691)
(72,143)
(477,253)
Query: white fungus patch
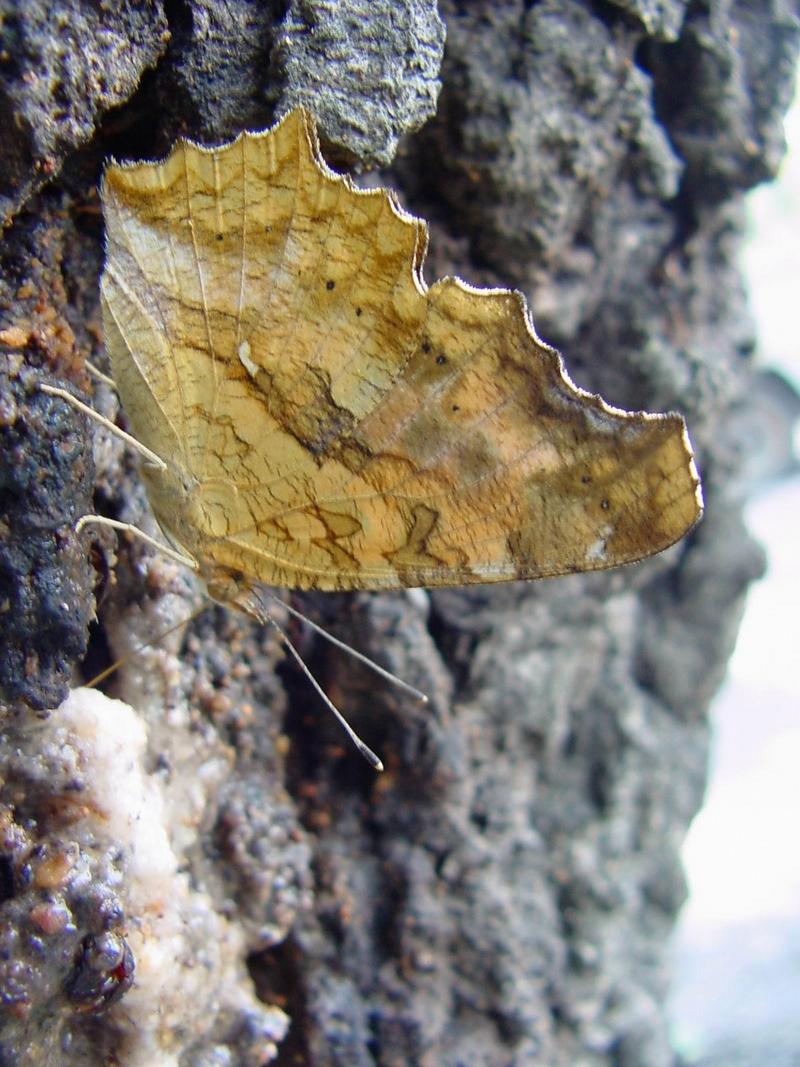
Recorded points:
(188,957)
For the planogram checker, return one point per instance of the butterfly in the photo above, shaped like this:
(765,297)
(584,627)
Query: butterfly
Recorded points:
(317,417)
(327,421)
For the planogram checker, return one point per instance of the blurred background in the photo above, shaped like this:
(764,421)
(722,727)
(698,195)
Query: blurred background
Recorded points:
(736,989)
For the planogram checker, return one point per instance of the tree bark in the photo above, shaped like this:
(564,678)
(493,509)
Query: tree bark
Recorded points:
(504,893)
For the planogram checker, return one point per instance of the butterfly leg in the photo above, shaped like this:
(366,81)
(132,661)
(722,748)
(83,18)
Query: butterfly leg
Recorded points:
(127,527)
(143,450)
(97,373)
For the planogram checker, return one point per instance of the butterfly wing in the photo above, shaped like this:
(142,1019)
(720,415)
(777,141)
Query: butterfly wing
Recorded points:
(331,423)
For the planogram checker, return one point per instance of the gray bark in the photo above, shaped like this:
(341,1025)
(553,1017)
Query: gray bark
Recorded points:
(504,893)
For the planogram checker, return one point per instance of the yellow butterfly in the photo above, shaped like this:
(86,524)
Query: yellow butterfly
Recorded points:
(318,418)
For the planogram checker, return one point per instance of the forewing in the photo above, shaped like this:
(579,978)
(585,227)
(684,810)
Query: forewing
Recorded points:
(341,426)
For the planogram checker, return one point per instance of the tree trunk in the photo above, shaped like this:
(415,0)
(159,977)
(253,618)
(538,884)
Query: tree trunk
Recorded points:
(503,894)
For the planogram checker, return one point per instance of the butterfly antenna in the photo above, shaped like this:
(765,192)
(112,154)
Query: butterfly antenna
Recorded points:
(363,748)
(101,677)
(352,651)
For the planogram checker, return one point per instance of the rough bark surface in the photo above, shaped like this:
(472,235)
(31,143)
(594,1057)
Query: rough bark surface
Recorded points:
(503,894)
